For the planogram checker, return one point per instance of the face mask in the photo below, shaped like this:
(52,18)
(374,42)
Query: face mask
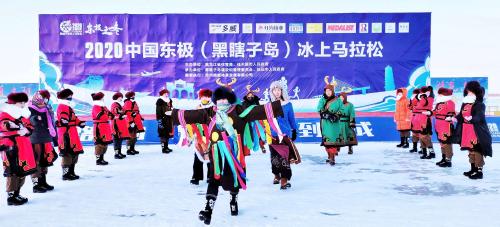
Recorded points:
(132,98)
(70,99)
(223,106)
(205,102)
(46,101)
(428,93)
(399,96)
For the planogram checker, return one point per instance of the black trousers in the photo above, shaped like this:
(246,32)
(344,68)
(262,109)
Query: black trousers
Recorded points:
(117,143)
(213,189)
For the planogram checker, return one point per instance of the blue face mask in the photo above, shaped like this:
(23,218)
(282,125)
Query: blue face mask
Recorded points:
(70,99)
(223,106)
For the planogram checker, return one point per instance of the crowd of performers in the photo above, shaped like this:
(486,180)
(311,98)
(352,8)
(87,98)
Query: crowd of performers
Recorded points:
(467,128)
(224,130)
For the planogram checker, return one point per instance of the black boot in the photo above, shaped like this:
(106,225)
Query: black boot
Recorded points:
(13,200)
(431,154)
(121,154)
(194,181)
(67,174)
(406,144)
(477,174)
(350,150)
(414,149)
(442,160)
(164,148)
(233,205)
(446,163)
(44,183)
(100,160)
(133,147)
(168,148)
(118,155)
(20,198)
(72,171)
(129,148)
(206,215)
(472,169)
(401,142)
(37,186)
(424,153)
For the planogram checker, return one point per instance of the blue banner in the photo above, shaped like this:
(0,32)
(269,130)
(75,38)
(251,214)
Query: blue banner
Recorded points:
(363,52)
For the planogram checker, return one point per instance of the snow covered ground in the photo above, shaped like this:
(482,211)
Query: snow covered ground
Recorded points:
(377,186)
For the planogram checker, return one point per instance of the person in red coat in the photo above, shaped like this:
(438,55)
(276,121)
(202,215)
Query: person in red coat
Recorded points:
(70,146)
(414,113)
(423,121)
(135,121)
(17,152)
(444,112)
(472,131)
(44,134)
(119,125)
(102,128)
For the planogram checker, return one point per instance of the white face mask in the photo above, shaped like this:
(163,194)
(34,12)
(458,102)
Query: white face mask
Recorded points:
(443,98)
(428,93)
(470,98)
(99,103)
(399,96)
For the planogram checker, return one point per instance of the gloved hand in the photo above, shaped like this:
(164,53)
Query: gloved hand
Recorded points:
(294,135)
(134,114)
(448,119)
(132,125)
(428,113)
(168,113)
(122,116)
(23,131)
(468,118)
(82,124)
(352,125)
(39,117)
(64,121)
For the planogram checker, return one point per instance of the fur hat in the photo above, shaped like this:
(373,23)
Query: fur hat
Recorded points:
(425,89)
(445,91)
(284,93)
(204,92)
(163,91)
(129,94)
(117,95)
(474,87)
(224,93)
(64,94)
(14,98)
(45,94)
(416,91)
(97,96)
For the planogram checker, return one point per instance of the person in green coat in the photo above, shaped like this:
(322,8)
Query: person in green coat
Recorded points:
(328,108)
(348,122)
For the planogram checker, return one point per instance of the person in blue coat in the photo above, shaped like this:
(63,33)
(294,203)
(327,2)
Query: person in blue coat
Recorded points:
(282,148)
